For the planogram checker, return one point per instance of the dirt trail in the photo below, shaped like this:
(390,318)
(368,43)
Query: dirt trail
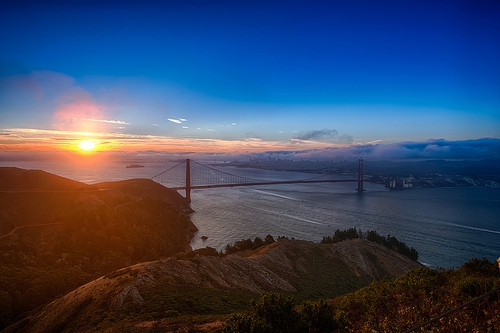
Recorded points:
(27,226)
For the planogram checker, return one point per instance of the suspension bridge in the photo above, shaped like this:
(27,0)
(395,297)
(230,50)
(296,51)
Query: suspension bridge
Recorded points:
(190,175)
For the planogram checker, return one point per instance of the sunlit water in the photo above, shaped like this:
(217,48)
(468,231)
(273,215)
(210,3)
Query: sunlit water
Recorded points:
(447,226)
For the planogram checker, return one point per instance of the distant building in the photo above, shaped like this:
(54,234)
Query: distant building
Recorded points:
(399,183)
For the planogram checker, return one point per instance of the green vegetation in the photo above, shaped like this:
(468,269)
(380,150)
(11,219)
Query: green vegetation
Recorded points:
(388,306)
(205,251)
(275,313)
(176,300)
(247,244)
(340,236)
(242,245)
(390,242)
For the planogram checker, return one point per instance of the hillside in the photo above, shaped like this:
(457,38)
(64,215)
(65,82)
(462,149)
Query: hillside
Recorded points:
(131,298)
(20,179)
(57,234)
(146,188)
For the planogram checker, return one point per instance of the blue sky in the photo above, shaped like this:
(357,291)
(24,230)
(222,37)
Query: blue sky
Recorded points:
(248,76)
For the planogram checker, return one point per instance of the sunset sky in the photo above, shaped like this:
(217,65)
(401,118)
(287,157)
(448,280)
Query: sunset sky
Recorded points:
(301,78)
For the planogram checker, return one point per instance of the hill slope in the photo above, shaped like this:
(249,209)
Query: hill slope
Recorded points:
(12,178)
(57,234)
(216,285)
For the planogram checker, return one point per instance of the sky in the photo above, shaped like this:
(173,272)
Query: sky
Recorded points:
(302,79)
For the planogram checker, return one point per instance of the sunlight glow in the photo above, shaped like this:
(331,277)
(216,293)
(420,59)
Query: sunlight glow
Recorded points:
(87,145)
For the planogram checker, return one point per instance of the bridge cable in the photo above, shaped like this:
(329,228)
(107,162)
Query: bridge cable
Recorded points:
(161,173)
(241,178)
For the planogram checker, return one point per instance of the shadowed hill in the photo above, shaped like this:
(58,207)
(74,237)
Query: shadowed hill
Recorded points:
(216,285)
(12,178)
(147,188)
(56,234)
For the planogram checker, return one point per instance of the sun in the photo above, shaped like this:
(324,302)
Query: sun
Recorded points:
(87,145)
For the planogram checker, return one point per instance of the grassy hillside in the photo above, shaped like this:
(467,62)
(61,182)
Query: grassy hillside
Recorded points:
(20,179)
(287,286)
(57,234)
(172,292)
(422,300)
(421,295)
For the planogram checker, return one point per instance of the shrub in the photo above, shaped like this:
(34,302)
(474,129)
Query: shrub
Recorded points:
(248,244)
(275,313)
(340,236)
(206,251)
(319,316)
(480,267)
(389,241)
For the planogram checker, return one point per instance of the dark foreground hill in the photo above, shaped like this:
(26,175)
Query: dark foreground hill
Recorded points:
(12,178)
(132,298)
(57,234)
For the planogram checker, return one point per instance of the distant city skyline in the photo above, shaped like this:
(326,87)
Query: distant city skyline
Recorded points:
(413,79)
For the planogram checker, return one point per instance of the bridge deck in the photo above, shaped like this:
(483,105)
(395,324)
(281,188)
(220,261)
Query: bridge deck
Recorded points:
(214,177)
(194,187)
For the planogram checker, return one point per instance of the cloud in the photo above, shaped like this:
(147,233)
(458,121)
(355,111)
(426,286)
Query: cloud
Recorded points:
(21,86)
(252,135)
(119,122)
(324,135)
(36,85)
(318,135)
(177,121)
(30,98)
(74,108)
(483,148)
(463,149)
(345,138)
(26,139)
(55,100)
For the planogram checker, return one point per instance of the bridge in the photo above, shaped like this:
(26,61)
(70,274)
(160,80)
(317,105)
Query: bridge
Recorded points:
(190,175)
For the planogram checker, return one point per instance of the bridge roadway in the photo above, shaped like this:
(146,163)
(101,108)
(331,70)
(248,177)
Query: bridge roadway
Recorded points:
(194,187)
(253,182)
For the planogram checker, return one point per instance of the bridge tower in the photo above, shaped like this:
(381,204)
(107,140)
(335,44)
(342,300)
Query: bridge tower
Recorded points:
(188,180)
(360,188)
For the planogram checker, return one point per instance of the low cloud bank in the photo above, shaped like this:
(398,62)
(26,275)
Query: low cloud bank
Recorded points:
(432,149)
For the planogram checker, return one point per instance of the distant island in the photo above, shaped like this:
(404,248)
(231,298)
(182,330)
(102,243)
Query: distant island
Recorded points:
(134,166)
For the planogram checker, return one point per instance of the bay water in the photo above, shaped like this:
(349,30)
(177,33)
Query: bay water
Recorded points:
(447,226)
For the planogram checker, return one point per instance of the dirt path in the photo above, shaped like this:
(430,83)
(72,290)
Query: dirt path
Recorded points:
(27,226)
(127,203)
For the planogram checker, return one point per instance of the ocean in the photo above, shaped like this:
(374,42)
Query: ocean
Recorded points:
(447,226)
